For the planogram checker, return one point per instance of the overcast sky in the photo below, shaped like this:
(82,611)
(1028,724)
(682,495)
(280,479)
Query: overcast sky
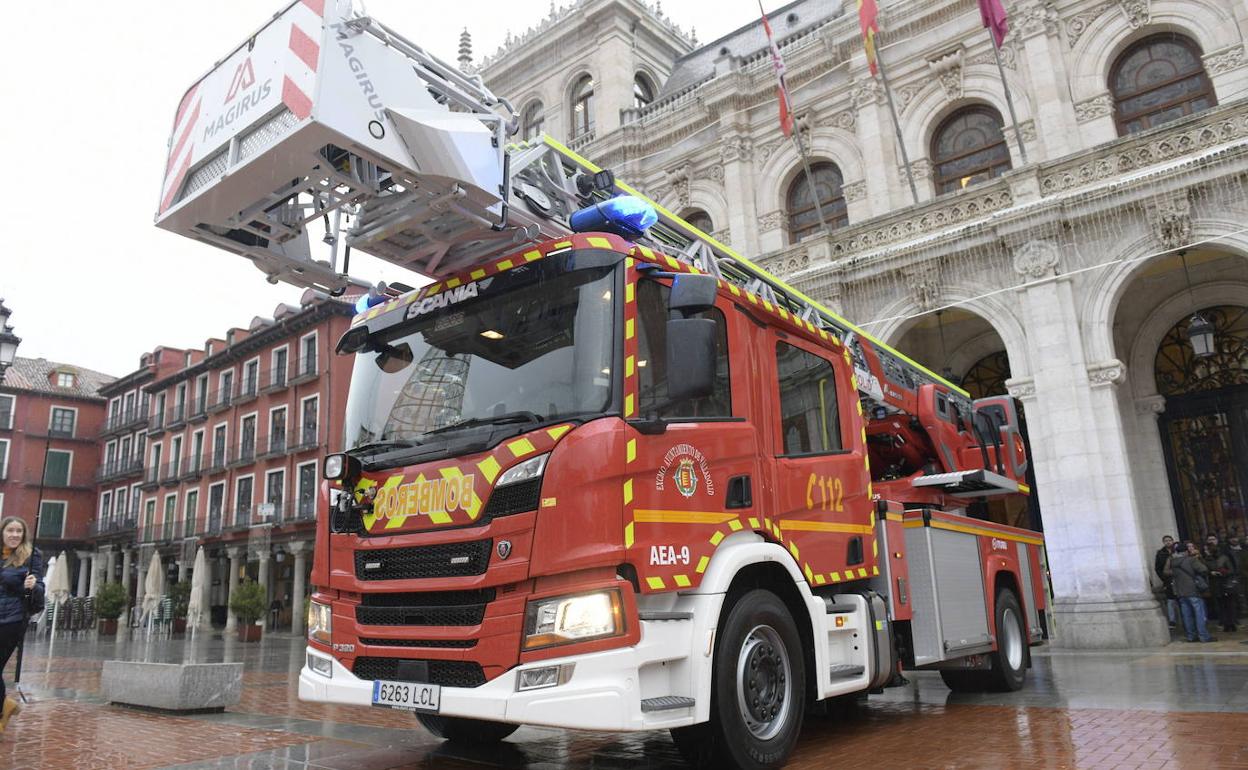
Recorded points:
(89,92)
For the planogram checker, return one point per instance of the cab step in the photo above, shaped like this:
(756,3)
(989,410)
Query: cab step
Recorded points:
(845,670)
(666,703)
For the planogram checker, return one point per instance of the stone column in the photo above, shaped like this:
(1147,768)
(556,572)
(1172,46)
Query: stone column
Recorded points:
(1151,480)
(84,565)
(264,556)
(1054,112)
(110,565)
(97,569)
(878,140)
(1102,597)
(126,557)
(300,551)
(236,554)
(736,158)
(140,590)
(183,568)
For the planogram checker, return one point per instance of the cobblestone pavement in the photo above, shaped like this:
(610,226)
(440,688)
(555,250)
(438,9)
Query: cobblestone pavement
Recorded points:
(1181,706)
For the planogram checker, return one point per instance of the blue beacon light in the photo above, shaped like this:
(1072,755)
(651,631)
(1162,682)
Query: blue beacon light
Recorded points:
(624,215)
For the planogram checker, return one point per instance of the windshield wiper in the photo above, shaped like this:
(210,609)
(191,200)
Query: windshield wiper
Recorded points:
(502,419)
(380,446)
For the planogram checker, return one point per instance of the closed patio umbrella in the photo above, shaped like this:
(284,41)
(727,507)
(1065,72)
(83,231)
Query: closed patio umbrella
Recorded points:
(195,607)
(58,586)
(153,586)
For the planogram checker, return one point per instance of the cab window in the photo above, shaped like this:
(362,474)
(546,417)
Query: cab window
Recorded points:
(809,420)
(652,359)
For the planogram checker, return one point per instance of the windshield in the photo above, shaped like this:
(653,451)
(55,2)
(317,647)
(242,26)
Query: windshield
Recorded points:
(534,345)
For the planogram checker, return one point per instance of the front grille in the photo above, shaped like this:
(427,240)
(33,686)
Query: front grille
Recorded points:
(435,608)
(448,673)
(446,644)
(424,561)
(514,498)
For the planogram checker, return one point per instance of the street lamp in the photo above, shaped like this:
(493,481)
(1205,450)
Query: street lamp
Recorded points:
(1200,333)
(8,340)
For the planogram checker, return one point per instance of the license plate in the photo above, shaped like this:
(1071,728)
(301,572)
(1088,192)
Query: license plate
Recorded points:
(411,696)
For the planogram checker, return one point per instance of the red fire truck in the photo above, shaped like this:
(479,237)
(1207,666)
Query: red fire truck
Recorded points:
(604,472)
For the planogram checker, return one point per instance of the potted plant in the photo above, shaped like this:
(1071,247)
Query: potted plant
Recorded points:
(249,605)
(110,602)
(180,593)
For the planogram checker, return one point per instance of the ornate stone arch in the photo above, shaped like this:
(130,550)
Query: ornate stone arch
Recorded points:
(1091,56)
(1102,296)
(980,84)
(784,164)
(995,310)
(708,195)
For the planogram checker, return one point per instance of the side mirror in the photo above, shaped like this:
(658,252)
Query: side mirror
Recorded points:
(691,294)
(690,356)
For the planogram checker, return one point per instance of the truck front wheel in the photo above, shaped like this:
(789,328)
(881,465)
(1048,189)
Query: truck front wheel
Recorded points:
(758,690)
(462,730)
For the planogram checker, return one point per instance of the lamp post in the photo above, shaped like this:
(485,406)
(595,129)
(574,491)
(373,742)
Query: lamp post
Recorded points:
(8,341)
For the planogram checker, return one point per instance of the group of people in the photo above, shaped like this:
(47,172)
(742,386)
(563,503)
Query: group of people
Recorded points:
(1203,583)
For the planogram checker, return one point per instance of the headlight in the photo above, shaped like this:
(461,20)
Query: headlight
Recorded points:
(564,619)
(531,468)
(320,622)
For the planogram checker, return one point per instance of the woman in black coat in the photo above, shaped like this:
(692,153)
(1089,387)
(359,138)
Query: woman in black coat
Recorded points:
(21,592)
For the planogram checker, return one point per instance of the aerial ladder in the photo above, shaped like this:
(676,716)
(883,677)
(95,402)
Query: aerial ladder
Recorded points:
(329,116)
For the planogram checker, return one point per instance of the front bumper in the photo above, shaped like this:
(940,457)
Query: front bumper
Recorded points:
(605,691)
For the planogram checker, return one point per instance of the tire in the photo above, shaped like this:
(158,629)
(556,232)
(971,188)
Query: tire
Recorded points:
(1009,662)
(466,731)
(758,690)
(960,680)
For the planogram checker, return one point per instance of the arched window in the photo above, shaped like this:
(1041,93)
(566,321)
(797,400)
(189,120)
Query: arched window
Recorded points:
(699,219)
(803,215)
(1158,79)
(532,121)
(643,92)
(969,147)
(583,107)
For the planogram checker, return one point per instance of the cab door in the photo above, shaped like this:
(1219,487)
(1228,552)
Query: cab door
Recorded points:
(693,473)
(820,508)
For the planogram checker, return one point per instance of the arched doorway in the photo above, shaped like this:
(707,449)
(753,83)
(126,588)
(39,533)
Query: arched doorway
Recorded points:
(1204,428)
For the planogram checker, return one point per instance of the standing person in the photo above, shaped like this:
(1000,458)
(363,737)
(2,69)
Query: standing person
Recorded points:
(1223,583)
(1189,572)
(1167,584)
(21,594)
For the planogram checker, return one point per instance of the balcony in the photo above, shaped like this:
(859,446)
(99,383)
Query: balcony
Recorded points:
(192,467)
(241,518)
(243,453)
(156,424)
(169,473)
(119,468)
(274,379)
(272,446)
(151,478)
(248,389)
(213,527)
(176,416)
(220,400)
(125,420)
(308,439)
(115,525)
(198,411)
(270,513)
(306,371)
(305,510)
(219,461)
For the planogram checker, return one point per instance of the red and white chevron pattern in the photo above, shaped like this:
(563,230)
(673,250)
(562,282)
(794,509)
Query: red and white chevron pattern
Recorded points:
(183,146)
(306,21)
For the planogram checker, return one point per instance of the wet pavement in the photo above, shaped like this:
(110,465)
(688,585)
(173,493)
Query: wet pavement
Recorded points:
(1180,706)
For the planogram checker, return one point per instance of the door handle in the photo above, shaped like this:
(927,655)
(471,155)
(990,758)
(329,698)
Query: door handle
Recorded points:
(739,493)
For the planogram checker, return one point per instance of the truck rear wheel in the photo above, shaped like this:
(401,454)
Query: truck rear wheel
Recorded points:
(462,730)
(1009,662)
(758,690)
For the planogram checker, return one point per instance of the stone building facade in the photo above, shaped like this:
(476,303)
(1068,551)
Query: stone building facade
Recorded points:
(1066,280)
(221,447)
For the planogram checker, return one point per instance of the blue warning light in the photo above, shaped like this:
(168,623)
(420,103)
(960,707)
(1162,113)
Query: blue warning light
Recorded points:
(624,215)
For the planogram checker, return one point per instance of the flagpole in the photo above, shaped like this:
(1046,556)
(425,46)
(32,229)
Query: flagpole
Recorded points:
(892,108)
(1009,100)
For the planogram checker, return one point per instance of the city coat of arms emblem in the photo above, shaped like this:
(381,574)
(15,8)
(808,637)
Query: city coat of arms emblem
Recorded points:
(686,477)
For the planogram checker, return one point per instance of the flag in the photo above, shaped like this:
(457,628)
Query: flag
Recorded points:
(868,21)
(993,15)
(782,88)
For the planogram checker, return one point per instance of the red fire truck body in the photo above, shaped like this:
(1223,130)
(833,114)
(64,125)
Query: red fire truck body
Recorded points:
(435,577)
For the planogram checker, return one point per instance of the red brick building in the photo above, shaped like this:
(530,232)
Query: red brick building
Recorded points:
(226,454)
(50,419)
